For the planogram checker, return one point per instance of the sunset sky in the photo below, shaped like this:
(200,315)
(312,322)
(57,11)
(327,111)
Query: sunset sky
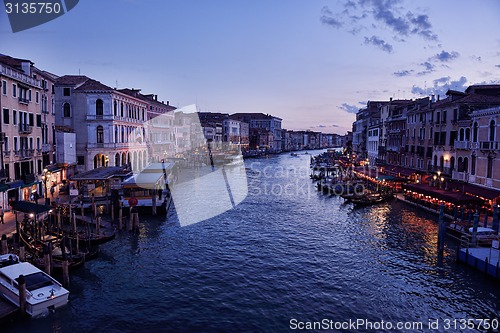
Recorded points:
(312,63)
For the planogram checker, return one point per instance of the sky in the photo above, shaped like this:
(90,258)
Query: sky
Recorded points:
(312,63)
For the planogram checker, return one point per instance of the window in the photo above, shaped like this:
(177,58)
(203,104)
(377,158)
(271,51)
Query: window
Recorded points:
(66,110)
(14,117)
(489,171)
(4,87)
(115,108)
(37,96)
(38,120)
(80,160)
(14,90)
(66,91)
(99,108)
(31,119)
(6,143)
(29,95)
(15,143)
(473,165)
(6,116)
(100,134)
(37,143)
(492,131)
(474,132)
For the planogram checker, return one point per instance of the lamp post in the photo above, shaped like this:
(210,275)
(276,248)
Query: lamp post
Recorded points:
(45,179)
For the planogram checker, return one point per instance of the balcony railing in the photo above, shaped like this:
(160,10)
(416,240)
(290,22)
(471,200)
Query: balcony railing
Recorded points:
(488,145)
(463,176)
(24,100)
(23,153)
(45,147)
(461,144)
(25,129)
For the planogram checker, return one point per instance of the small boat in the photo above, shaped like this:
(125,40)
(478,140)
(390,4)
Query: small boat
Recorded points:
(294,154)
(371,198)
(484,236)
(43,293)
(8,259)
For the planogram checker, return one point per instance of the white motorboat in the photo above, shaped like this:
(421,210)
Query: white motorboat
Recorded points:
(43,293)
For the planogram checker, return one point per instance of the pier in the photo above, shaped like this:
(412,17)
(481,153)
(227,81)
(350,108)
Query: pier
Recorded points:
(485,259)
(7,310)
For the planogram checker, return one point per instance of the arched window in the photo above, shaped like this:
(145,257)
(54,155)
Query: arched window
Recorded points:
(462,137)
(467,134)
(473,164)
(460,164)
(117,159)
(121,109)
(466,164)
(100,134)
(66,110)
(474,132)
(441,162)
(492,131)
(452,163)
(99,107)
(489,171)
(115,108)
(435,160)
(116,134)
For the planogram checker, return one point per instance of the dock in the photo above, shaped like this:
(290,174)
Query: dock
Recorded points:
(7,310)
(485,259)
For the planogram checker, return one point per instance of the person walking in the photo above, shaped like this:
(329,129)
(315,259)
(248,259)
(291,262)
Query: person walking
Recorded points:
(1,215)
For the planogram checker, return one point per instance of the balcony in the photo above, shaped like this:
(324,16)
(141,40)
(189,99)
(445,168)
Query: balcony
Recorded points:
(463,176)
(488,145)
(25,129)
(24,153)
(23,100)
(45,147)
(461,145)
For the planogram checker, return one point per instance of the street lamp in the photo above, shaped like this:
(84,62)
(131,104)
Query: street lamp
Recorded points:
(45,179)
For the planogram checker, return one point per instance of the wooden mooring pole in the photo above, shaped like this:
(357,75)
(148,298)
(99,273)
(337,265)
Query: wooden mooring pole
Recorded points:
(22,294)
(5,246)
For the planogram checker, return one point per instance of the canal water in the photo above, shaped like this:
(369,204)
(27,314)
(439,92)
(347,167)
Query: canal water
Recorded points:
(286,255)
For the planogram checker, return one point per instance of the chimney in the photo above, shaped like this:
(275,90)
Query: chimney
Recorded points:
(433,98)
(156,97)
(438,98)
(168,102)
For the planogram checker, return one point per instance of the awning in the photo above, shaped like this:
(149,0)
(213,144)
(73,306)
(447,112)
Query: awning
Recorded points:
(29,207)
(455,197)
(4,187)
(475,190)
(15,184)
(31,184)
(53,168)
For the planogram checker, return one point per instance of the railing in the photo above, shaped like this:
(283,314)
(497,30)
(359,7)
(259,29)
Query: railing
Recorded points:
(6,153)
(23,100)
(19,76)
(488,145)
(23,153)
(463,176)
(461,144)
(45,147)
(25,129)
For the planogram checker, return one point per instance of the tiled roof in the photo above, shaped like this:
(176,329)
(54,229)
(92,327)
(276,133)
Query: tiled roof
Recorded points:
(71,79)
(92,85)
(12,62)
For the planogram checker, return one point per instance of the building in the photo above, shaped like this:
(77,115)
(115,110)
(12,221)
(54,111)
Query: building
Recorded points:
(267,126)
(27,128)
(114,131)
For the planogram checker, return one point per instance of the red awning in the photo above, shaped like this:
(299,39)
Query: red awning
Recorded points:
(455,197)
(475,190)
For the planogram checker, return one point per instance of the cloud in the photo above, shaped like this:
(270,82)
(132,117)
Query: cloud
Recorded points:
(476,58)
(404,72)
(441,86)
(328,19)
(428,68)
(380,43)
(358,15)
(445,56)
(349,108)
